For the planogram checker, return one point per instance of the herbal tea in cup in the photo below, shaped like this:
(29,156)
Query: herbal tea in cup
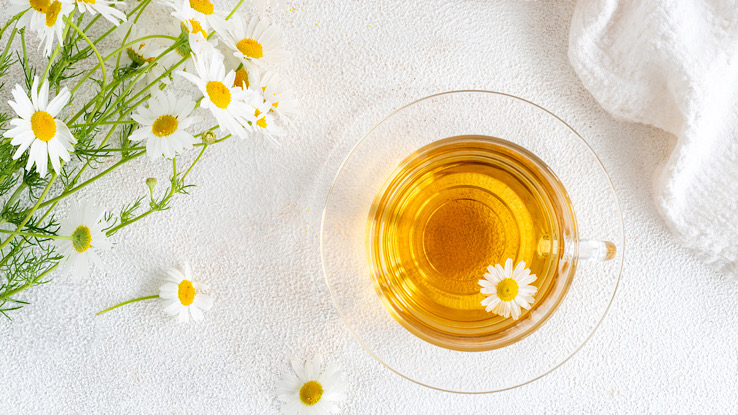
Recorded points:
(452,210)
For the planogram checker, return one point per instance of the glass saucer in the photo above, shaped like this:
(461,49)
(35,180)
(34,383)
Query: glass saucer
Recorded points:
(373,160)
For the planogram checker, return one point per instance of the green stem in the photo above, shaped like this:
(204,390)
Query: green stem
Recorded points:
(94,49)
(33,210)
(86,124)
(234,10)
(37,235)
(128,302)
(7,294)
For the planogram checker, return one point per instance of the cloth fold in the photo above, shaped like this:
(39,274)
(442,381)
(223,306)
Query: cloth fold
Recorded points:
(673,64)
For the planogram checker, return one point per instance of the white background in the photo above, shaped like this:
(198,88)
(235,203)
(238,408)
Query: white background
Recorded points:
(251,231)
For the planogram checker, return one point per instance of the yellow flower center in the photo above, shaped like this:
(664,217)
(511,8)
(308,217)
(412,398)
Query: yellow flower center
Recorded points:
(86,1)
(186,293)
(196,27)
(43,125)
(311,392)
(39,5)
(250,48)
(507,289)
(81,238)
(242,79)
(52,13)
(219,94)
(261,122)
(202,6)
(164,125)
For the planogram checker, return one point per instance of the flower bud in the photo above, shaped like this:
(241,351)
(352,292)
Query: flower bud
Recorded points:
(151,182)
(208,137)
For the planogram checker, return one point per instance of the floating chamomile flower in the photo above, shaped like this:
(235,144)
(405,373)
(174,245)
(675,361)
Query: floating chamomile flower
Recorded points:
(254,42)
(85,226)
(103,7)
(38,128)
(508,289)
(231,106)
(307,391)
(184,297)
(163,121)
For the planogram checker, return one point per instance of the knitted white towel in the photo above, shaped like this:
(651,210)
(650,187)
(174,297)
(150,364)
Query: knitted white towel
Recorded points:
(674,64)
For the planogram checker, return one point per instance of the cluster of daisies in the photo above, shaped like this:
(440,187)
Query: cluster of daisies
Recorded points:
(231,61)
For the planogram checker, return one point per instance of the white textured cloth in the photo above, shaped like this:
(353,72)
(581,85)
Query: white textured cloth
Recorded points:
(674,64)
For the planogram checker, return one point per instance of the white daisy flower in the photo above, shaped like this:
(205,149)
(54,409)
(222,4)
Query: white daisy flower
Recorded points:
(85,225)
(141,52)
(254,42)
(266,124)
(184,297)
(231,106)
(508,289)
(33,18)
(278,95)
(191,19)
(198,45)
(163,120)
(38,127)
(103,7)
(263,4)
(307,391)
(53,24)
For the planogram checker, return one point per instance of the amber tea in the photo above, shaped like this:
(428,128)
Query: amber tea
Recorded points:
(448,212)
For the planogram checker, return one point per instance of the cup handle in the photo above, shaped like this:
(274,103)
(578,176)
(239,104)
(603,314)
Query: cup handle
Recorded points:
(592,250)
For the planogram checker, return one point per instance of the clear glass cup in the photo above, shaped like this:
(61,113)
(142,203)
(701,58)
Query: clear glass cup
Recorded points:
(529,349)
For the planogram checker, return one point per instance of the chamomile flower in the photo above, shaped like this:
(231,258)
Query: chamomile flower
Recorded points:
(139,52)
(35,15)
(197,45)
(163,122)
(307,391)
(266,124)
(53,24)
(38,128)
(278,95)
(85,226)
(231,106)
(184,297)
(103,7)
(507,289)
(191,19)
(254,42)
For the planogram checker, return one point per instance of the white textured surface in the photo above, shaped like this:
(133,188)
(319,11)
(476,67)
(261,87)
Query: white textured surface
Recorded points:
(251,231)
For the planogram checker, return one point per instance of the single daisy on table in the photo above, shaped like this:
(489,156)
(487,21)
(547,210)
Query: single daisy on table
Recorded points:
(307,391)
(254,42)
(38,128)
(53,24)
(103,7)
(184,297)
(164,120)
(231,106)
(85,227)
(507,289)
